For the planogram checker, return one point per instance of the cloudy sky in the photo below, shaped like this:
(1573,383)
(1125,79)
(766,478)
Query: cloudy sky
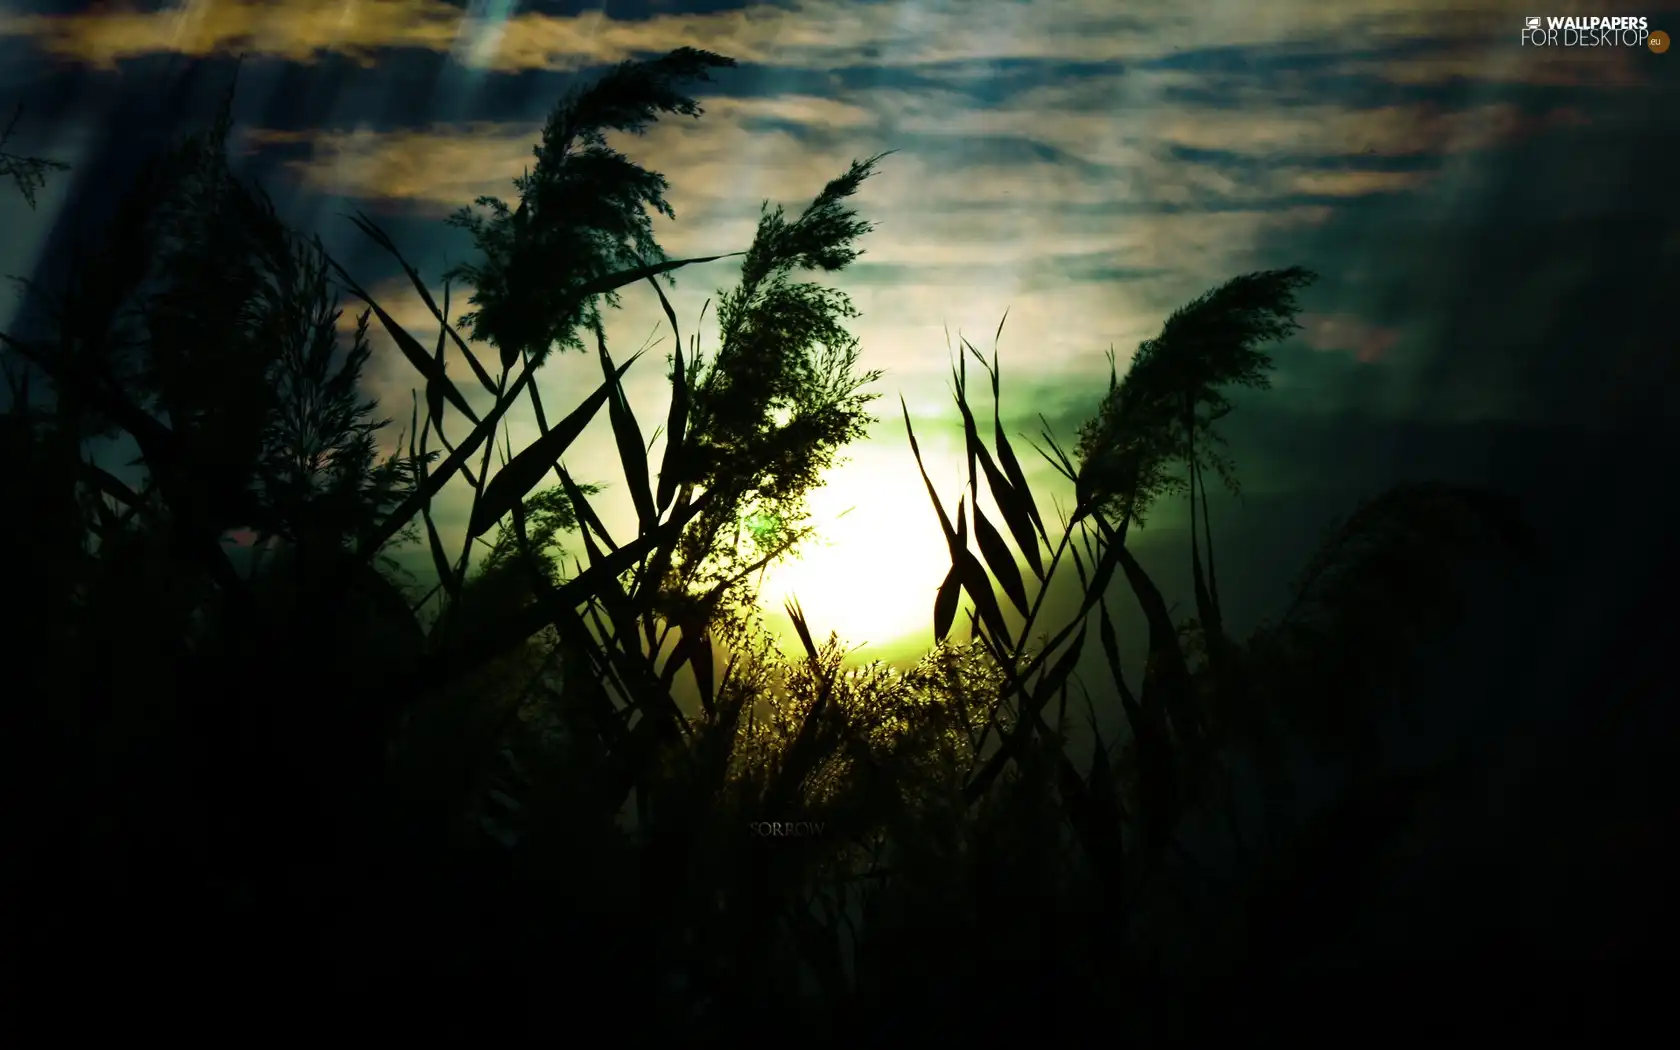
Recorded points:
(1491,221)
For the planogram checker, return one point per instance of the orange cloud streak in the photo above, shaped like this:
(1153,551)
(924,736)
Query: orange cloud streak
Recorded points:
(828,33)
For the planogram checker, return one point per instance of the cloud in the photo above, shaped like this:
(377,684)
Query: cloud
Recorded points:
(1088,205)
(446,166)
(805,34)
(1584,67)
(298,30)
(1332,130)
(397,297)
(1088,222)
(1052,145)
(1056,270)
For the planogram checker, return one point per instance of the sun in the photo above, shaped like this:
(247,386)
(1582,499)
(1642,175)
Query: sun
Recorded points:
(871,571)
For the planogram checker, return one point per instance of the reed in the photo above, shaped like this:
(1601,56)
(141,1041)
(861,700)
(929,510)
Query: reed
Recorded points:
(490,793)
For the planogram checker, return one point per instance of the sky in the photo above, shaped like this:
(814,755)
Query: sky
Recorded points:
(1492,222)
(1493,225)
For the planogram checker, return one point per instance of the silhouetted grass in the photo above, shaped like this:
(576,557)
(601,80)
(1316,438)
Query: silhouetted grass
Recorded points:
(487,800)
(28,174)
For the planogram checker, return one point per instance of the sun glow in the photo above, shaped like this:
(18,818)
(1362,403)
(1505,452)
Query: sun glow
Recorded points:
(871,571)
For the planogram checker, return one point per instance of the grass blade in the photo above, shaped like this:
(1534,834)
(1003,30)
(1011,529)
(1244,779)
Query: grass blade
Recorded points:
(1018,514)
(945,605)
(959,376)
(944,519)
(109,484)
(979,588)
(1060,672)
(676,422)
(694,648)
(438,383)
(491,640)
(1001,561)
(632,454)
(588,521)
(1011,465)
(1095,589)
(1032,707)
(522,475)
(613,281)
(1093,811)
(1167,672)
(447,579)
(381,238)
(611,593)
(797,615)
(965,564)
(1111,652)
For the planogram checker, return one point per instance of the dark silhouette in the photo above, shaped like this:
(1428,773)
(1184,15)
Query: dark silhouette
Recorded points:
(28,174)
(305,780)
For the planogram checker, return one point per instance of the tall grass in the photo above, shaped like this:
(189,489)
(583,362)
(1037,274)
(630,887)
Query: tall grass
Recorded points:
(490,790)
